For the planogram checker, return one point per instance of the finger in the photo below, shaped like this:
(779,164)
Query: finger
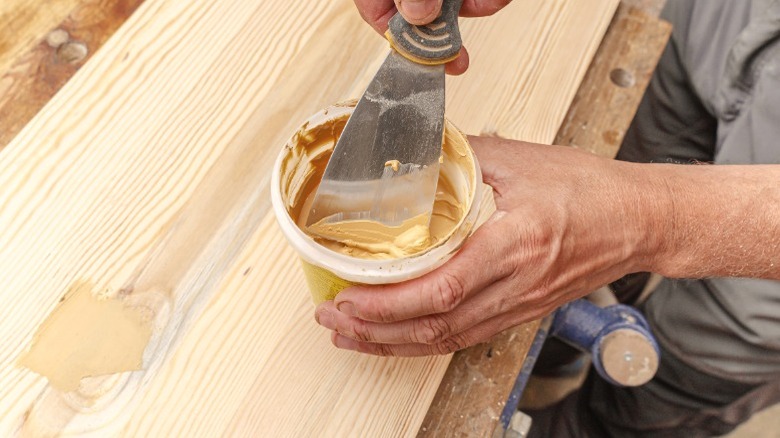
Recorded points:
(477,334)
(459,65)
(429,329)
(377,13)
(325,315)
(500,298)
(419,12)
(482,8)
(481,262)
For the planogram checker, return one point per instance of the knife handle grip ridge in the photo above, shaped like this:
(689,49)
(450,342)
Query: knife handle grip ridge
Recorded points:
(436,43)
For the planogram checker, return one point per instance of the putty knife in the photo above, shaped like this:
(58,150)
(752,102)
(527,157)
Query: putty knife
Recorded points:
(385,165)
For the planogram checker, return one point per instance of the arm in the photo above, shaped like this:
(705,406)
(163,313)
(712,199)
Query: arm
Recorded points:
(568,222)
(377,13)
(718,221)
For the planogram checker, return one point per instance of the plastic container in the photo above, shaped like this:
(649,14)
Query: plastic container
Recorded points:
(297,172)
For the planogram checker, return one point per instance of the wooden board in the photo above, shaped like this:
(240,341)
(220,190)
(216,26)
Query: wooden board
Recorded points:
(476,387)
(616,81)
(42,46)
(24,23)
(147,174)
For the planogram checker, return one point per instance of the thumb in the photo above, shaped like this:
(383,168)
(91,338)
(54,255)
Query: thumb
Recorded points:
(419,12)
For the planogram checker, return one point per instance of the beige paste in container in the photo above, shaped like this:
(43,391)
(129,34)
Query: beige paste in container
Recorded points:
(362,251)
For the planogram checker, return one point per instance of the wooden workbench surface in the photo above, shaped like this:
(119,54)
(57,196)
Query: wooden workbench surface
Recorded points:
(36,66)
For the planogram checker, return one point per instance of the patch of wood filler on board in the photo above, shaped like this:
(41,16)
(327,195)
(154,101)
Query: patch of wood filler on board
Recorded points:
(87,336)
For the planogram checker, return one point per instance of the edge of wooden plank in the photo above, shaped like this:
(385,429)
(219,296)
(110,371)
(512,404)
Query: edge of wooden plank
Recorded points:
(37,75)
(616,81)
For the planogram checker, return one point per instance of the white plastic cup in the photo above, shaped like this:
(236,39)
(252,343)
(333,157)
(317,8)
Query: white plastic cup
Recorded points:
(328,272)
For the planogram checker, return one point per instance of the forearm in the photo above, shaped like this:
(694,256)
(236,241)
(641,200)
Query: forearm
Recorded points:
(715,220)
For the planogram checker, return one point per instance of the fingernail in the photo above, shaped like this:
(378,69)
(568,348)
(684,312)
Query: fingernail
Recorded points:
(347,308)
(417,9)
(325,319)
(343,342)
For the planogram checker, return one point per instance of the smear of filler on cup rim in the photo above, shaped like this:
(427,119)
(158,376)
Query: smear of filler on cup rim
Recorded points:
(302,171)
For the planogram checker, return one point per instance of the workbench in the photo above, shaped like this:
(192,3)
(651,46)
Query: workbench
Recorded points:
(479,382)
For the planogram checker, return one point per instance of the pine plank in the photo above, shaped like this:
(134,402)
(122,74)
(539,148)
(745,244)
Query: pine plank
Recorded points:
(147,174)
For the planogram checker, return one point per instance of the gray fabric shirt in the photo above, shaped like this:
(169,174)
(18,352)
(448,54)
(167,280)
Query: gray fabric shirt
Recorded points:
(716,98)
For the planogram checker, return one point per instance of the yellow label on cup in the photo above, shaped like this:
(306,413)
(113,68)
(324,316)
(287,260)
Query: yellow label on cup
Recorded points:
(323,284)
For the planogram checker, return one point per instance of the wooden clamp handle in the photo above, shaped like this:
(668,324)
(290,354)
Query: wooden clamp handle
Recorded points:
(435,43)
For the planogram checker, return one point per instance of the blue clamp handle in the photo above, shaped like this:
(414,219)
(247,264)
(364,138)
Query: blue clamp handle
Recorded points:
(622,347)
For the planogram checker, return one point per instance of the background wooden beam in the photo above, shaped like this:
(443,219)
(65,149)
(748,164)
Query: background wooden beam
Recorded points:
(42,45)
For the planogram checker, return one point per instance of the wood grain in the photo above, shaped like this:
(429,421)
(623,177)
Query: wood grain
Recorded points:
(41,47)
(148,174)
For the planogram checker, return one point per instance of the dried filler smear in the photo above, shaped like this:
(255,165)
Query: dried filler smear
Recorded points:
(87,336)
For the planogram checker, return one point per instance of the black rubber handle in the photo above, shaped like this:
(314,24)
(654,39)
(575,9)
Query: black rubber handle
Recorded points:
(435,43)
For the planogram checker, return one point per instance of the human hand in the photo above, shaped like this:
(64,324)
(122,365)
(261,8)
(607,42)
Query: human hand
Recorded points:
(420,12)
(566,223)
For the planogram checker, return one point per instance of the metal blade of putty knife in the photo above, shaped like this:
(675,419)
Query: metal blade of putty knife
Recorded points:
(385,165)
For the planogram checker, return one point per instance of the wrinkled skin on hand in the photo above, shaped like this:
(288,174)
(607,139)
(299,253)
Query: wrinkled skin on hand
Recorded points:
(567,222)
(378,13)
